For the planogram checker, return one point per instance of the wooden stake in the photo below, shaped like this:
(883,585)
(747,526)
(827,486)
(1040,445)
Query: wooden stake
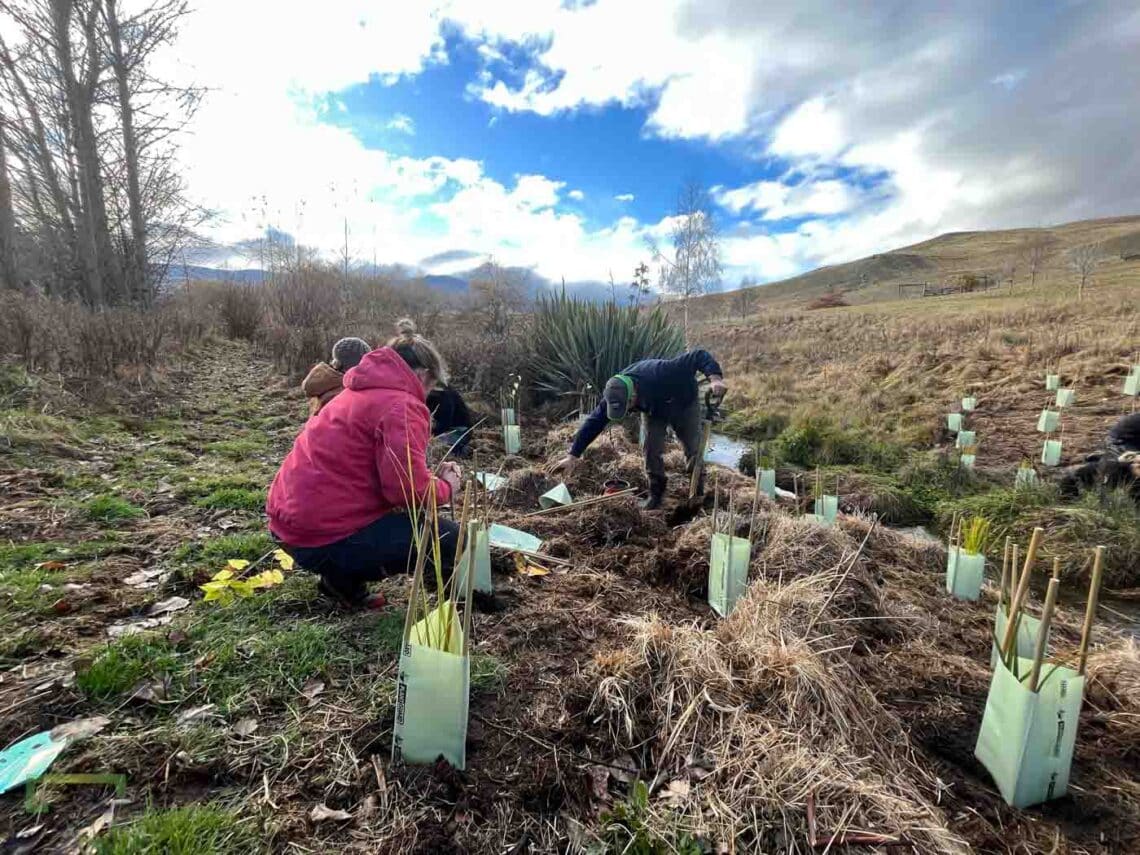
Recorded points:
(755,505)
(1004,573)
(1090,608)
(731,516)
(1043,627)
(716,499)
(699,463)
(1022,589)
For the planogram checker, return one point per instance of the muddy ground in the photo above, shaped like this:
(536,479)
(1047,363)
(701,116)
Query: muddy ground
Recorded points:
(280,704)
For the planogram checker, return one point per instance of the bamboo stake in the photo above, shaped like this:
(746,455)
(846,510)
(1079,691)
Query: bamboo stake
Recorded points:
(460,540)
(1043,628)
(699,463)
(593,500)
(1022,589)
(755,505)
(1004,573)
(731,516)
(1090,608)
(716,499)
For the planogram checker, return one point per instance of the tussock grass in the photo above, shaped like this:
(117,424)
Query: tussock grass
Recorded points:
(189,830)
(108,508)
(233,499)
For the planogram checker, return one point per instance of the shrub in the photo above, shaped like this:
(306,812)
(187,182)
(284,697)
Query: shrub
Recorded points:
(578,343)
(111,508)
(240,310)
(828,301)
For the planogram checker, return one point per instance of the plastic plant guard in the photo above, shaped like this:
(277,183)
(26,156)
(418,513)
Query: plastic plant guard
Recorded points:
(504,537)
(1025,638)
(508,416)
(966,438)
(728,571)
(432,695)
(1132,384)
(967,460)
(30,758)
(1052,382)
(768,482)
(1048,421)
(815,518)
(954,422)
(964,574)
(1027,739)
(557,495)
(1026,477)
(951,563)
(1051,453)
(491,481)
(827,507)
(1066,398)
(969,404)
(512,439)
(477,536)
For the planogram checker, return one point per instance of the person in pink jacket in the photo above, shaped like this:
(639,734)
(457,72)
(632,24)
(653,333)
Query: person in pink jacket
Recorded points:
(339,503)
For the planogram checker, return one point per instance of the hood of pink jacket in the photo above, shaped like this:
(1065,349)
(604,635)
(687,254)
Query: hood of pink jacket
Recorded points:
(383,368)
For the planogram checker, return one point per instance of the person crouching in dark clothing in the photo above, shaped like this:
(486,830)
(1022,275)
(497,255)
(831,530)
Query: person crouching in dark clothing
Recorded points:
(1117,467)
(450,419)
(665,390)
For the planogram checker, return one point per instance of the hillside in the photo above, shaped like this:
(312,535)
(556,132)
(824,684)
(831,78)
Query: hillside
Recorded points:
(942,259)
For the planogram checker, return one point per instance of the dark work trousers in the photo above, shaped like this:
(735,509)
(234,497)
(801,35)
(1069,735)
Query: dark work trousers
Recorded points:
(383,548)
(686,424)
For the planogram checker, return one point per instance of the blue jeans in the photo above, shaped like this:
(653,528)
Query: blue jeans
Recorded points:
(380,549)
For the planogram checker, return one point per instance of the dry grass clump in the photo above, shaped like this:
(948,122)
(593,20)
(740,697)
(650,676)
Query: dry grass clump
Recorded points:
(1113,689)
(763,711)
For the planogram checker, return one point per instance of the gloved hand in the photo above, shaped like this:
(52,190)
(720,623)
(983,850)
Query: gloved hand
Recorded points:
(566,465)
(717,386)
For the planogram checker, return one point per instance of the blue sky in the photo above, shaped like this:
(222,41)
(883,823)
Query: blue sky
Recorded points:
(557,136)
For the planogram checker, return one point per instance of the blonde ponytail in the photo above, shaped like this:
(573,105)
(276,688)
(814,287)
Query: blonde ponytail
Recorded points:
(417,351)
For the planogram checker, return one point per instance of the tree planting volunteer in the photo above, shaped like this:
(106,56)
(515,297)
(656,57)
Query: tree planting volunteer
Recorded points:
(665,390)
(339,503)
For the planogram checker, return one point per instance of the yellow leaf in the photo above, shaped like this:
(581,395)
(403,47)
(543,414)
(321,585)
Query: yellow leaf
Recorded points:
(284,559)
(237,563)
(223,575)
(525,568)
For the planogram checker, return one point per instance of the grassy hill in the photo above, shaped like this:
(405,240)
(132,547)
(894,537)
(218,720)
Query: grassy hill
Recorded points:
(942,260)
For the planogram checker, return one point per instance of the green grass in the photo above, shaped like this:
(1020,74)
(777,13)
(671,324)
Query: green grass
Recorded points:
(220,549)
(109,508)
(190,830)
(121,665)
(21,556)
(237,449)
(233,499)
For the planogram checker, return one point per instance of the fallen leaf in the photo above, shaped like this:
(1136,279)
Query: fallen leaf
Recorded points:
(49,565)
(62,606)
(676,792)
(368,808)
(146,578)
(174,604)
(149,690)
(599,777)
(284,559)
(246,727)
(194,713)
(312,688)
(236,564)
(120,630)
(81,728)
(526,568)
(321,813)
(75,586)
(104,820)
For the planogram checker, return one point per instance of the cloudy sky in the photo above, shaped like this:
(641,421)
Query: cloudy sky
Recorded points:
(556,135)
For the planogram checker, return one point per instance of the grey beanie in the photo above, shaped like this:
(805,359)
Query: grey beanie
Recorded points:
(348,352)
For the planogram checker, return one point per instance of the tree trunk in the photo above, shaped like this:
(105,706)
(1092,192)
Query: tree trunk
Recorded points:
(138,286)
(9,269)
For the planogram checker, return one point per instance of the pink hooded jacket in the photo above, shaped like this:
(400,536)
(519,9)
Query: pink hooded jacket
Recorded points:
(350,464)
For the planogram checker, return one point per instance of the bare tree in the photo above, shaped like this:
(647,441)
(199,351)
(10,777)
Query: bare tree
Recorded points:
(9,267)
(639,287)
(91,135)
(1009,270)
(498,293)
(744,296)
(694,267)
(1084,260)
(1033,253)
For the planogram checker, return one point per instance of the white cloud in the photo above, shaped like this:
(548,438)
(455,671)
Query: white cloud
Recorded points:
(811,129)
(403,124)
(779,200)
(624,197)
(576,195)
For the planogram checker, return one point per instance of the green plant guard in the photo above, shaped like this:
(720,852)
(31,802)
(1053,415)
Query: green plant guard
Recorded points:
(512,439)
(729,558)
(505,537)
(1132,384)
(508,416)
(967,460)
(964,573)
(1025,639)
(1048,421)
(1065,398)
(557,495)
(432,693)
(1051,453)
(954,422)
(478,541)
(768,482)
(966,438)
(969,404)
(827,508)
(1027,738)
(1052,382)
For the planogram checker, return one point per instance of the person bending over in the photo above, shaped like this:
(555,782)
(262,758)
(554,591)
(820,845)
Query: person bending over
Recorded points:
(450,419)
(325,379)
(665,390)
(1118,466)
(339,503)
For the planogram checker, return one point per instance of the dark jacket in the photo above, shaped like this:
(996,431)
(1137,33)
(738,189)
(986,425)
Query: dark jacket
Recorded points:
(663,387)
(1125,435)
(448,411)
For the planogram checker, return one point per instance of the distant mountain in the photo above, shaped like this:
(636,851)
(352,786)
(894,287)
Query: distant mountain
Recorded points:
(180,273)
(450,284)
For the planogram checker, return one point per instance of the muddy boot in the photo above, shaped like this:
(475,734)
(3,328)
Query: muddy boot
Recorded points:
(656,493)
